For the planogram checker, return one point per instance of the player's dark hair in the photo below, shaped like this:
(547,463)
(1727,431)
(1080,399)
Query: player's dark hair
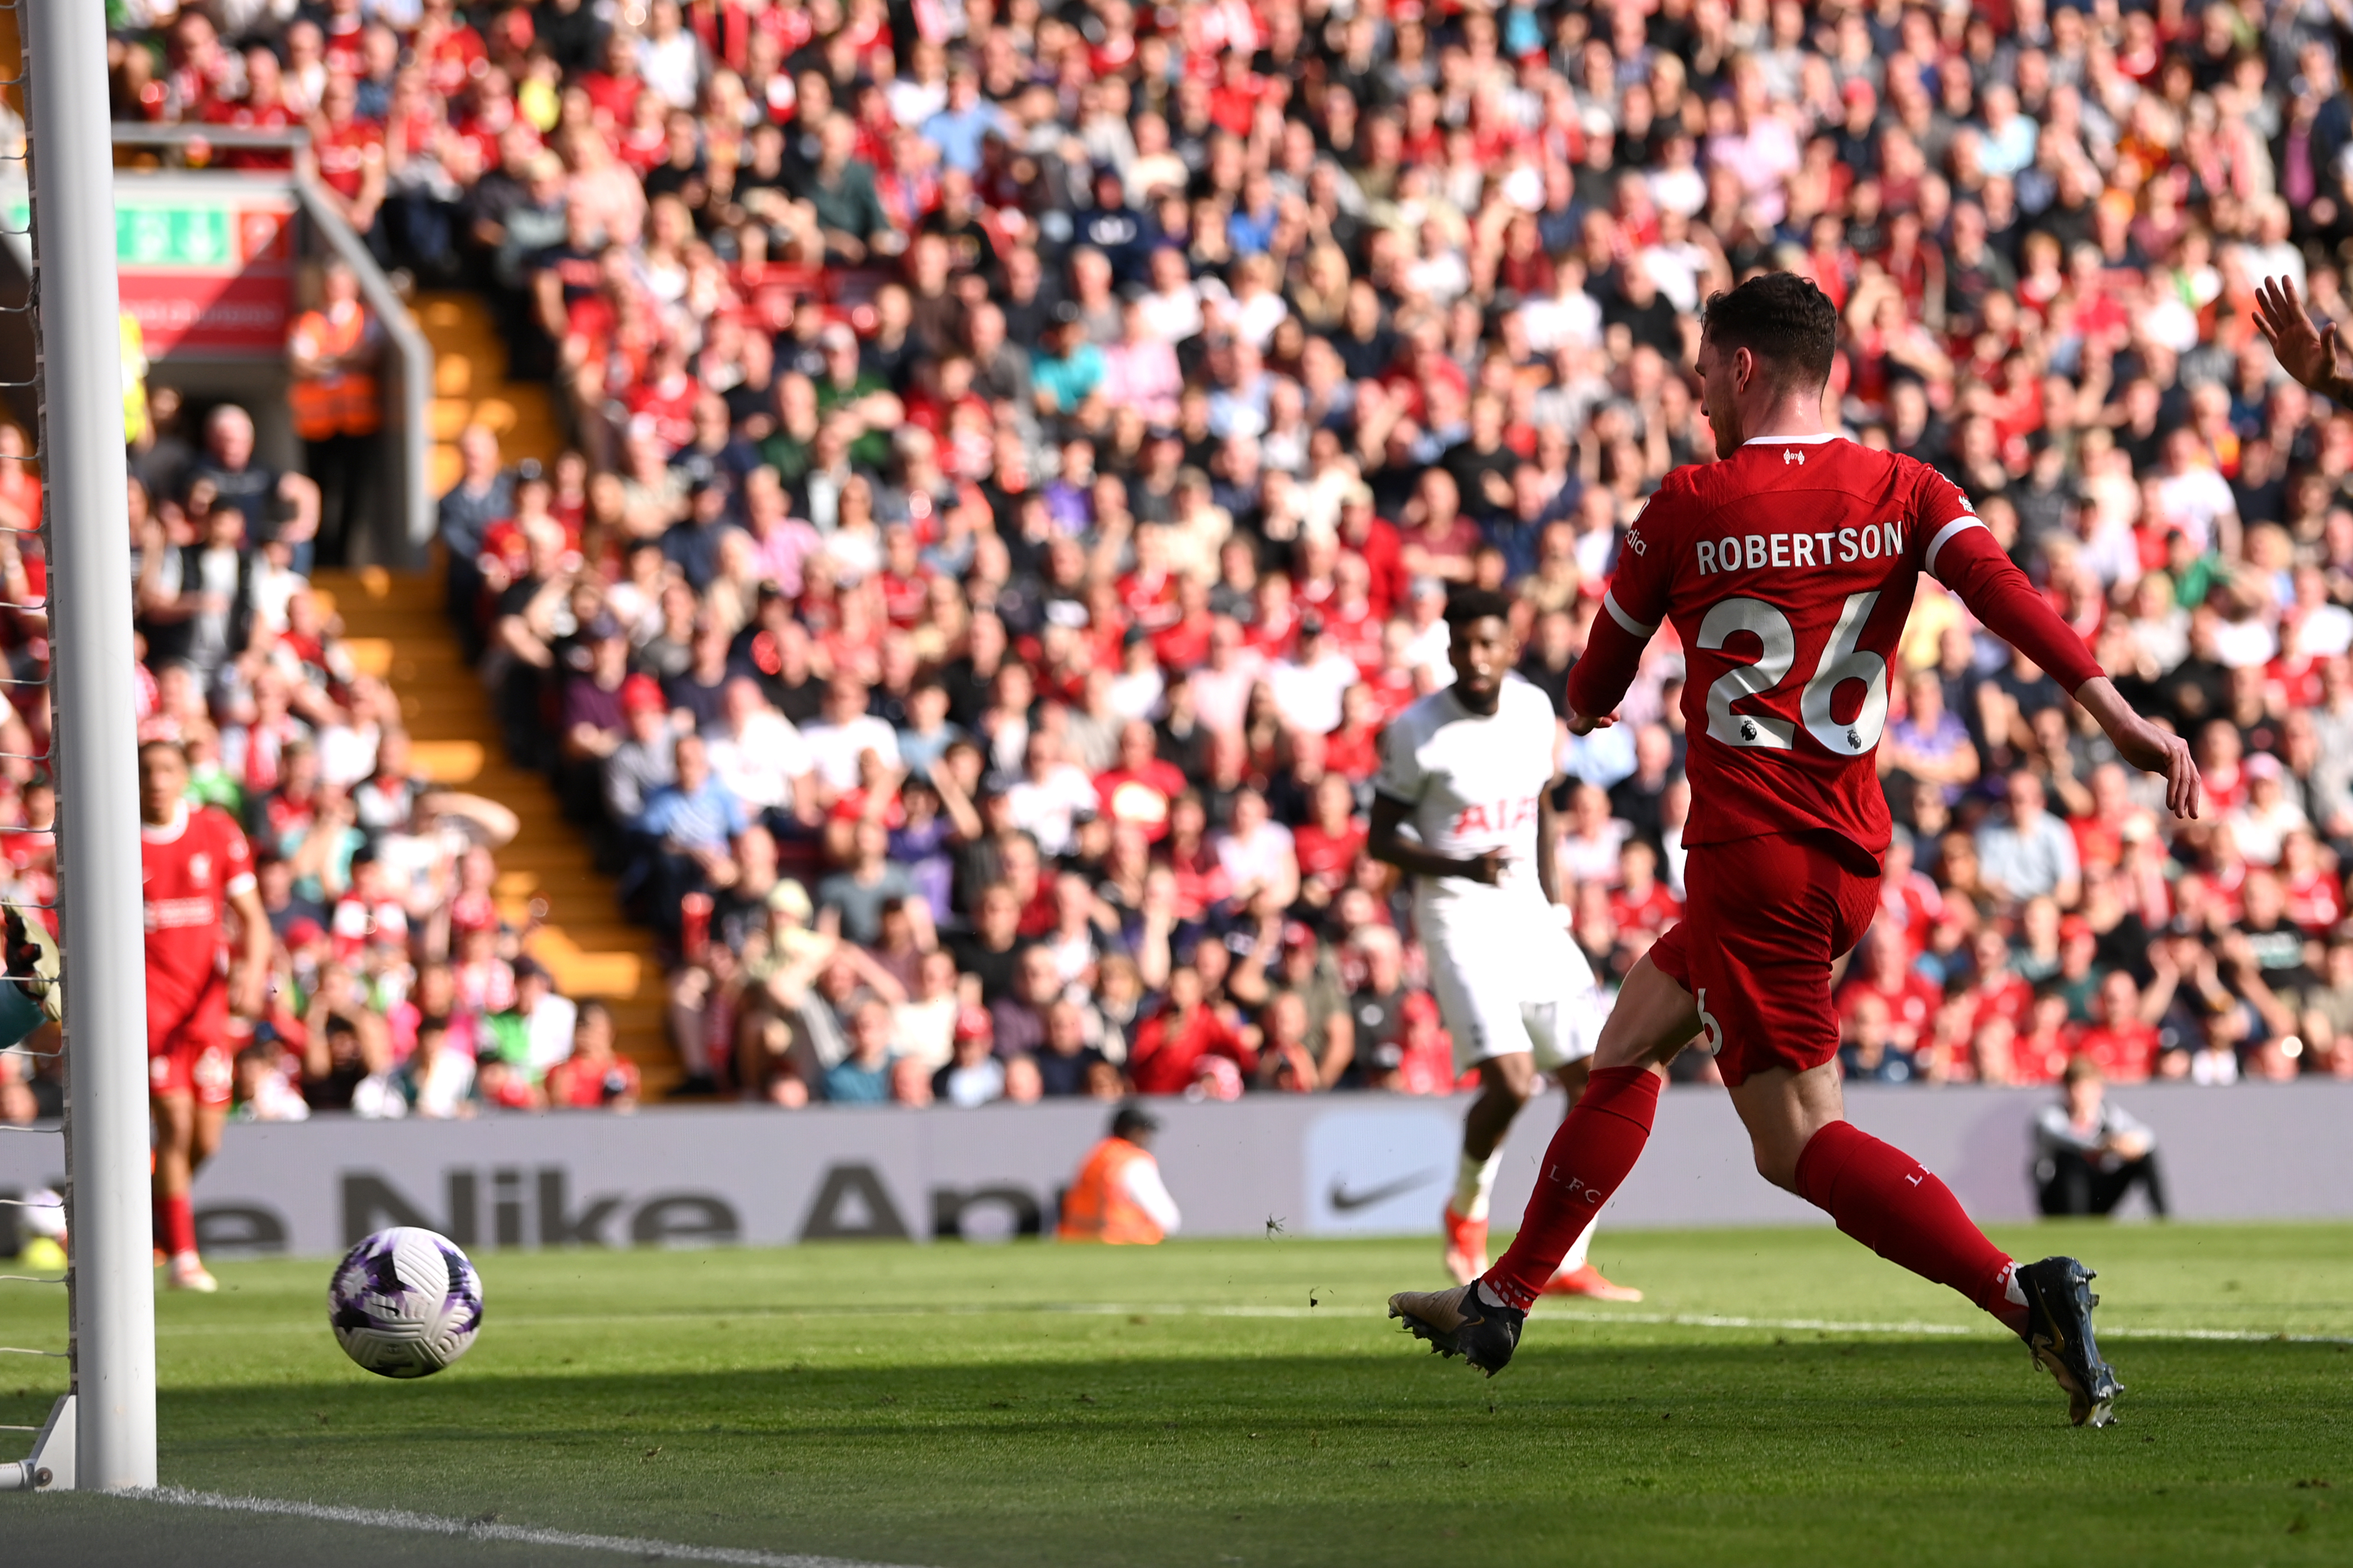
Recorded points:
(1781,318)
(1466,604)
(1132,1120)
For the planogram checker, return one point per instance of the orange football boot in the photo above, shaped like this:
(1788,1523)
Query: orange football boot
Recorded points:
(1466,1247)
(1586,1280)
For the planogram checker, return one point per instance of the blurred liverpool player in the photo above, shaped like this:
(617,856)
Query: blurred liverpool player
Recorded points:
(1788,568)
(1470,769)
(195,868)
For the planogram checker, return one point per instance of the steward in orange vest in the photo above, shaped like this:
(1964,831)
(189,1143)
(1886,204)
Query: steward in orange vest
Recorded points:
(1118,1196)
(333,352)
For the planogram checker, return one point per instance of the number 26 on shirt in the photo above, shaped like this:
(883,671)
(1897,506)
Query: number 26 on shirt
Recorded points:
(1842,661)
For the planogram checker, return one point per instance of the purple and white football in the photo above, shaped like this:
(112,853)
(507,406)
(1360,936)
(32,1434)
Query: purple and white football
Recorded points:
(404,1303)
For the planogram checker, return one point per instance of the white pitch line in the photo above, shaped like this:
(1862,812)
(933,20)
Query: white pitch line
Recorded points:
(1824,1325)
(1328,1310)
(1718,1320)
(2243,1336)
(479,1529)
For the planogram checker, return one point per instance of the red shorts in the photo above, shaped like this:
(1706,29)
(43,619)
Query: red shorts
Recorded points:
(188,1048)
(1764,921)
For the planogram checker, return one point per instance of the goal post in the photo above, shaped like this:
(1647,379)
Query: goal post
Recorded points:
(93,755)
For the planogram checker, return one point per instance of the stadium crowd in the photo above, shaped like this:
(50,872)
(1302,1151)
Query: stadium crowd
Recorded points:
(1020,455)
(395,989)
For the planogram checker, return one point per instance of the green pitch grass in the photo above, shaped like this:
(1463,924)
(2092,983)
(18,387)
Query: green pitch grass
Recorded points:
(1245,1402)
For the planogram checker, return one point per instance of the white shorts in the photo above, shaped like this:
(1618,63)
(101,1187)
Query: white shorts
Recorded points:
(1508,979)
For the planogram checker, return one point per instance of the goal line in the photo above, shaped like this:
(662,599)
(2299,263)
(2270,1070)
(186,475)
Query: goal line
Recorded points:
(485,1530)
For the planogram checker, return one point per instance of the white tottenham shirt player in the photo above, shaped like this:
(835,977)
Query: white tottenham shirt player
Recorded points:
(1507,976)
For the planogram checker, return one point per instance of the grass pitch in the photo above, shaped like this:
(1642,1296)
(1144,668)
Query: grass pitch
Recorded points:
(1215,1403)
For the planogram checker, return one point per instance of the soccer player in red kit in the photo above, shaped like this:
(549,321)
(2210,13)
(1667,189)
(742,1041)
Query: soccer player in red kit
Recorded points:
(1788,568)
(196,867)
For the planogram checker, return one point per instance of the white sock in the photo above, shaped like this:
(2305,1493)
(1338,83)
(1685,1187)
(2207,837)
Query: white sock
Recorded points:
(1576,1258)
(1488,1297)
(1474,1183)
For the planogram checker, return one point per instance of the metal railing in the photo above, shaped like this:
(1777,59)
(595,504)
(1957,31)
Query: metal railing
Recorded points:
(405,387)
(237,137)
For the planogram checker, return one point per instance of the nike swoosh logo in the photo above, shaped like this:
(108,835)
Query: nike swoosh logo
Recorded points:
(1344,1201)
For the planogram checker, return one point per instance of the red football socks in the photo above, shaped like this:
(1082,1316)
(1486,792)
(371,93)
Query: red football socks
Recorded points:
(179,1226)
(1589,1156)
(1894,1205)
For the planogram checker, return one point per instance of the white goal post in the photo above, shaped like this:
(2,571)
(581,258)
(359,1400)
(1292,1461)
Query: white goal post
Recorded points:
(110,1410)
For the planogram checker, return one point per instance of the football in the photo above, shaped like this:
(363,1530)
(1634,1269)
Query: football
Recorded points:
(405,1302)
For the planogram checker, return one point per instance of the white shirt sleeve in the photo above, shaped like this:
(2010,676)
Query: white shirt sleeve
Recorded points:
(1150,1193)
(1400,776)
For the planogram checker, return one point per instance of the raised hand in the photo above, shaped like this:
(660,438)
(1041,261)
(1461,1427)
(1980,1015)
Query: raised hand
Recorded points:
(2144,745)
(2316,357)
(2161,751)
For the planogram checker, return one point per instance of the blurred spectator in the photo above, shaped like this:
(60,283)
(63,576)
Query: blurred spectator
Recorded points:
(1173,1048)
(332,355)
(2027,852)
(1118,1195)
(975,1074)
(2089,1153)
(862,1077)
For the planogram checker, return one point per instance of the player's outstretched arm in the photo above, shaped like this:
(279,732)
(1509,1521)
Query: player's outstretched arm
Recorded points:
(2143,744)
(2317,357)
(1598,681)
(1965,558)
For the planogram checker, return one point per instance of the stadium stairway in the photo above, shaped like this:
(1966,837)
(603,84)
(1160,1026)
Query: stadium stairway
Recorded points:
(394,627)
(470,386)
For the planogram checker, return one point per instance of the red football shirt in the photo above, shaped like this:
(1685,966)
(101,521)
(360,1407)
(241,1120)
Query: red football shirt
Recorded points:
(1384,553)
(241,116)
(1653,911)
(1167,1051)
(1911,1007)
(189,866)
(2127,1052)
(1788,570)
(2041,1058)
(2009,998)
(2313,901)
(1354,753)
(1333,855)
(1140,798)
(1908,908)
